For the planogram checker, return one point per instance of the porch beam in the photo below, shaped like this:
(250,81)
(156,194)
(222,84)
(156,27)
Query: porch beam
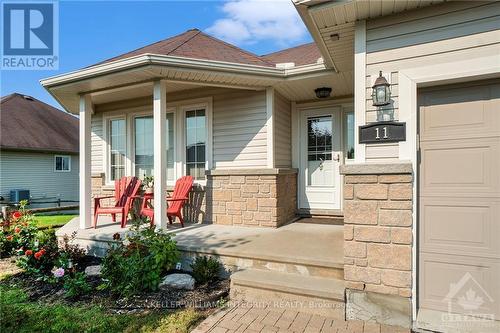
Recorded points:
(160,152)
(85,188)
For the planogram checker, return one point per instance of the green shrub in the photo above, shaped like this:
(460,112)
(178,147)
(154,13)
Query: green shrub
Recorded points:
(137,263)
(76,285)
(205,269)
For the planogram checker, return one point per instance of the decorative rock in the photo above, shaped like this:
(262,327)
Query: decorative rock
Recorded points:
(93,270)
(177,281)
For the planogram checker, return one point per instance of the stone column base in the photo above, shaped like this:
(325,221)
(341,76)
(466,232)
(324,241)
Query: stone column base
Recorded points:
(252,197)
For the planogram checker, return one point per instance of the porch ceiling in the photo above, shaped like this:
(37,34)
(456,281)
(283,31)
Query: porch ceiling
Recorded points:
(331,23)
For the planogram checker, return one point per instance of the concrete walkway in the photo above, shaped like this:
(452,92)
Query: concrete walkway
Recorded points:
(253,318)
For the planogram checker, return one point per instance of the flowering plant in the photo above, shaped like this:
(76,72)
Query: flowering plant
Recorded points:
(17,231)
(59,272)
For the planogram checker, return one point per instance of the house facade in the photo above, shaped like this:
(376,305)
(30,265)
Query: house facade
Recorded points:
(38,152)
(420,210)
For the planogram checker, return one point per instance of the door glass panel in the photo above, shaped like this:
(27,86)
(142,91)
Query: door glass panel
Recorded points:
(319,151)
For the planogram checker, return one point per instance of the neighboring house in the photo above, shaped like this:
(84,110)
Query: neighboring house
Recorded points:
(419,212)
(38,151)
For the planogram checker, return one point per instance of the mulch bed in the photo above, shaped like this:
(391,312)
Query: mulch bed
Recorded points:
(202,297)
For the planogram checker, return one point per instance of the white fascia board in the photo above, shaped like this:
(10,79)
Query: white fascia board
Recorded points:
(170,61)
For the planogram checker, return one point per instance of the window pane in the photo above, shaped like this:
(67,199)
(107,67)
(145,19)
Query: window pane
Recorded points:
(58,163)
(144,159)
(349,140)
(195,143)
(170,146)
(117,151)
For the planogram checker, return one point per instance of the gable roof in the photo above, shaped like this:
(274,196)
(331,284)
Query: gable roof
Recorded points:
(197,45)
(29,124)
(305,54)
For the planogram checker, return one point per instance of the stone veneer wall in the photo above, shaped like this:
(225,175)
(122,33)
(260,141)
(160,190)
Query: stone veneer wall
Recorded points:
(253,197)
(378,231)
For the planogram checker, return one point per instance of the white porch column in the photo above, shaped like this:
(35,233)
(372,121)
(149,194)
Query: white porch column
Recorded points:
(160,153)
(85,187)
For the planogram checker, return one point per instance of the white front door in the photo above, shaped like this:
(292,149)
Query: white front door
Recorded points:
(320,156)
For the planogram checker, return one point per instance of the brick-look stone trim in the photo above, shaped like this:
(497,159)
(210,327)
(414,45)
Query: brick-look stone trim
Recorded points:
(266,198)
(378,232)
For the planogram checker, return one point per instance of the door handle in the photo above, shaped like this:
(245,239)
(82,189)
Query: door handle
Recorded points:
(336,157)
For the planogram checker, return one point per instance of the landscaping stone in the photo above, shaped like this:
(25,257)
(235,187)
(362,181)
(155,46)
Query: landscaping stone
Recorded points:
(94,270)
(177,281)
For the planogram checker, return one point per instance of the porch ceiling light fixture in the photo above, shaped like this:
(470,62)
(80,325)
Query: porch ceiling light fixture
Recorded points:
(323,92)
(381,92)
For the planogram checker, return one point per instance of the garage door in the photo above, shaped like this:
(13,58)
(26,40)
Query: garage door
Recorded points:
(459,199)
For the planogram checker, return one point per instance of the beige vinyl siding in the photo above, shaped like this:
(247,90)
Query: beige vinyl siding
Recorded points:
(282,132)
(238,125)
(239,130)
(35,172)
(97,143)
(433,35)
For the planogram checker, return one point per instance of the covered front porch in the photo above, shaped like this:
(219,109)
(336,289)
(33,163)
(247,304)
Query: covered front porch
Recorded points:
(299,248)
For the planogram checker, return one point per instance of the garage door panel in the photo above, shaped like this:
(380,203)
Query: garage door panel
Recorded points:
(441,272)
(459,197)
(447,114)
(463,225)
(455,166)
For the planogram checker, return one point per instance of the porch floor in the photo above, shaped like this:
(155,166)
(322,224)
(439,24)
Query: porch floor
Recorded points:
(312,244)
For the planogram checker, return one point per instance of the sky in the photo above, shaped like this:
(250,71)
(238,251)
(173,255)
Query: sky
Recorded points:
(92,31)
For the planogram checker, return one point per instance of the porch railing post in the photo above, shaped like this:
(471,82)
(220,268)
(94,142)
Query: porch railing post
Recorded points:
(160,153)
(85,186)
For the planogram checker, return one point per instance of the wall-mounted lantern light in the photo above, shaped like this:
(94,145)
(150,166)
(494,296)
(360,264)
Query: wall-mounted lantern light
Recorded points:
(381,92)
(323,92)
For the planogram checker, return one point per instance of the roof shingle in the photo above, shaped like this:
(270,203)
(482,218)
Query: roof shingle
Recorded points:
(196,44)
(300,55)
(29,124)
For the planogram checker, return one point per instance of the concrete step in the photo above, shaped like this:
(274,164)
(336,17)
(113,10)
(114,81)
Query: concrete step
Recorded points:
(331,220)
(287,265)
(311,294)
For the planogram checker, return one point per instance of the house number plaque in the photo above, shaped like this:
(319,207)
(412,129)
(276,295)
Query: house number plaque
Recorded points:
(384,131)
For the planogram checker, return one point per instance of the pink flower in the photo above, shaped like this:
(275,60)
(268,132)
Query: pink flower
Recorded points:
(17,215)
(58,273)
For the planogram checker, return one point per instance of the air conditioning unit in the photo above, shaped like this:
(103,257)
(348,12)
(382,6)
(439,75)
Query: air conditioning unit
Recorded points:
(18,195)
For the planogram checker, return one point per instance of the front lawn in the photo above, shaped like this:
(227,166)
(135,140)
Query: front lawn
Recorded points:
(53,221)
(19,314)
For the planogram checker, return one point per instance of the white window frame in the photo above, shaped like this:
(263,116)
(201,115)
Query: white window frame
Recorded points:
(62,156)
(345,112)
(178,109)
(107,145)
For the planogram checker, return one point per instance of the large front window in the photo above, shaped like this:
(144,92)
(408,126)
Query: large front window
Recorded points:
(131,144)
(118,148)
(195,143)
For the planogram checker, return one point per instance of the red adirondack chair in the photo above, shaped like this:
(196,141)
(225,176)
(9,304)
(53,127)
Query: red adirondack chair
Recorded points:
(125,189)
(179,197)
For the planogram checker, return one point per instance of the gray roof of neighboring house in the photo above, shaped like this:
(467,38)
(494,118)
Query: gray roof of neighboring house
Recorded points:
(196,44)
(29,124)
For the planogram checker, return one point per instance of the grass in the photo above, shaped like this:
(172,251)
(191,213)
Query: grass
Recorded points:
(19,314)
(53,221)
